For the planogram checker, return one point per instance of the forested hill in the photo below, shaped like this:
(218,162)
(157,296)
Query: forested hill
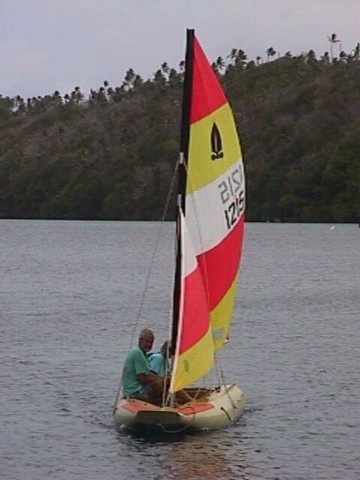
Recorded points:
(111,154)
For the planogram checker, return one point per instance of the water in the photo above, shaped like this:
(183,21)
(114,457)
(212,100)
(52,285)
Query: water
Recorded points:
(70,295)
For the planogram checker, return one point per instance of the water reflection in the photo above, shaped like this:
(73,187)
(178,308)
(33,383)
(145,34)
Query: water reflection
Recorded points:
(205,456)
(211,455)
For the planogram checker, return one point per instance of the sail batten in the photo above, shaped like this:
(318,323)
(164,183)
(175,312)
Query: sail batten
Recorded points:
(210,221)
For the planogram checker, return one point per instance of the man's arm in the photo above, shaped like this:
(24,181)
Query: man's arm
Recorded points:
(146,378)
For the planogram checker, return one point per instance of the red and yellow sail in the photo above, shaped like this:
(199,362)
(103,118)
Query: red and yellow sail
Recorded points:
(213,211)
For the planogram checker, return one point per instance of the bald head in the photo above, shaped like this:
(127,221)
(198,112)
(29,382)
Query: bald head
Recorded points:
(146,339)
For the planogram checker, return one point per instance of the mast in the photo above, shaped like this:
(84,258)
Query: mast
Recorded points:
(183,158)
(185,118)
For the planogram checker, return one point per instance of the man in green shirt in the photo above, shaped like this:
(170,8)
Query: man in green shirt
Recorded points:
(137,379)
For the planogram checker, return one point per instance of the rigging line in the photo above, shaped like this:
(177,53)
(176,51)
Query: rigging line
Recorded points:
(142,300)
(227,390)
(219,370)
(141,305)
(221,374)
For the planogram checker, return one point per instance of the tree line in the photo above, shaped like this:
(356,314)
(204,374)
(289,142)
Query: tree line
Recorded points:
(111,154)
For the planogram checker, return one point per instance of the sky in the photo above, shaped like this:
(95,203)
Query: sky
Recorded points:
(49,45)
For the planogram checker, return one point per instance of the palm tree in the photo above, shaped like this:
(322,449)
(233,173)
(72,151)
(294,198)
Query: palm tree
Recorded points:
(357,52)
(77,96)
(240,60)
(310,56)
(20,104)
(332,39)
(219,64)
(165,69)
(343,56)
(159,77)
(325,58)
(129,79)
(270,52)
(233,54)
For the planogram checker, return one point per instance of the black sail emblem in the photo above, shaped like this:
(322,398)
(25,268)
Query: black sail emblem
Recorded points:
(216,143)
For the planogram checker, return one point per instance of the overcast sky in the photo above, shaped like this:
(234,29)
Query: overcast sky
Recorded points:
(48,45)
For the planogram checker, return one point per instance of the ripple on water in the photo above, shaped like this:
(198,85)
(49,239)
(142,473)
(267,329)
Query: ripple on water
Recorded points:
(67,322)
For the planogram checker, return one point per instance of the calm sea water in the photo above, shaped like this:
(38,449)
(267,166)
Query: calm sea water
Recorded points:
(72,301)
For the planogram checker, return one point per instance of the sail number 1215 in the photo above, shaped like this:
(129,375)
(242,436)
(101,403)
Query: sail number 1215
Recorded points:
(232,196)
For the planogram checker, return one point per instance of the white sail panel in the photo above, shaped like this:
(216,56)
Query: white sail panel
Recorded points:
(223,200)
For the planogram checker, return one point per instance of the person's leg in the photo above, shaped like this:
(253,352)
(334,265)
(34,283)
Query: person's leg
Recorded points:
(183,396)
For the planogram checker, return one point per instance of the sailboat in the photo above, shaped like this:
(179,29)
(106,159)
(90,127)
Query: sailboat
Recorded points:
(209,234)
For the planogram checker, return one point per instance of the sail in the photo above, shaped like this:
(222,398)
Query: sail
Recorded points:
(194,349)
(213,201)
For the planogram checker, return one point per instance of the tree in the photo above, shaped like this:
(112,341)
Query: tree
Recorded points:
(6,107)
(165,69)
(325,58)
(219,64)
(343,56)
(270,52)
(240,60)
(356,51)
(299,124)
(138,81)
(159,78)
(76,96)
(232,55)
(129,79)
(311,57)
(175,79)
(333,39)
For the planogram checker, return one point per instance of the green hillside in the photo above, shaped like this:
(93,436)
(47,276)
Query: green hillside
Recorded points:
(111,154)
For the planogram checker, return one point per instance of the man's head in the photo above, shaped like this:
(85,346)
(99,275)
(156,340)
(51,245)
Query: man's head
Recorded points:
(166,349)
(146,339)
